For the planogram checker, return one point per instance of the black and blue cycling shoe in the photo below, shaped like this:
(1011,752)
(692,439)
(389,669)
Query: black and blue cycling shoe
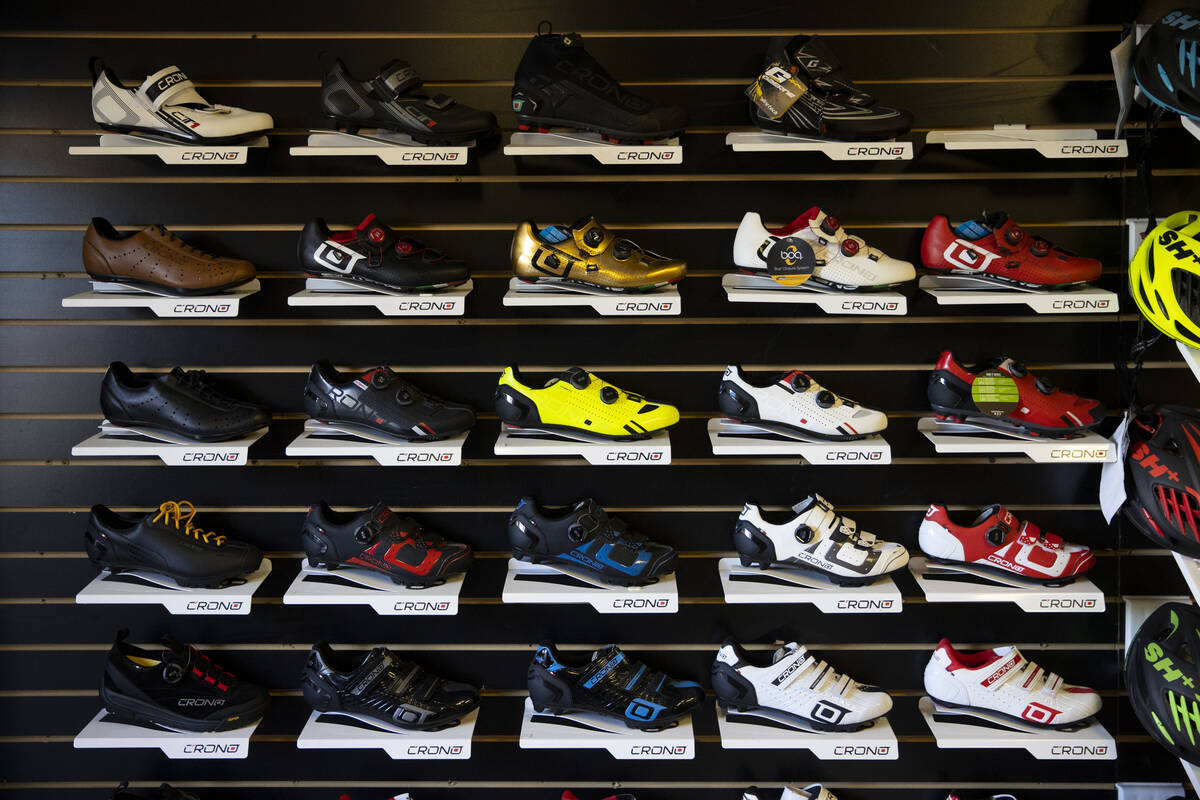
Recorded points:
(610,684)
(583,537)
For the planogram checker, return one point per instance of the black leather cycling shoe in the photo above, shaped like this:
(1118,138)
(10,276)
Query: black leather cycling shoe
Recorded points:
(611,684)
(380,688)
(379,400)
(177,688)
(375,255)
(184,404)
(392,100)
(167,543)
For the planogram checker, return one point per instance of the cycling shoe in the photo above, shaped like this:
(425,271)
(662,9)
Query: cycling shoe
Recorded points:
(579,401)
(167,105)
(392,100)
(589,254)
(792,402)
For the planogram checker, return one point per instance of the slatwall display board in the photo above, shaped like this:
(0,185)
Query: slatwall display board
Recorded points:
(955,65)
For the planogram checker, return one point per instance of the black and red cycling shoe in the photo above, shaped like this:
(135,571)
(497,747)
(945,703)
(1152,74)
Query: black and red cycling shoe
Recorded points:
(378,540)
(998,250)
(1003,395)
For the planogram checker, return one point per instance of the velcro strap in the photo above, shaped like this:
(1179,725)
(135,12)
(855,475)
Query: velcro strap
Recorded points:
(168,82)
(440,102)
(396,78)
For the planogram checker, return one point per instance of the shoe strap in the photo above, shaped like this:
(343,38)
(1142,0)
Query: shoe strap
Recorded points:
(169,85)
(1005,670)
(395,79)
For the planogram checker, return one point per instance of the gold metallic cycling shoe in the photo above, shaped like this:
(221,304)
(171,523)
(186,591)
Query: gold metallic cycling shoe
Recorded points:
(588,254)
(580,402)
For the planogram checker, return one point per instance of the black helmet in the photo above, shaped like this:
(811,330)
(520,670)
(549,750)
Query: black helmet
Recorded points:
(1162,477)
(1162,670)
(1167,63)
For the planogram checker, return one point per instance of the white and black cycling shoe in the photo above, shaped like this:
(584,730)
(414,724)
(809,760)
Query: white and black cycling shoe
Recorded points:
(167,106)
(815,538)
(793,682)
(794,403)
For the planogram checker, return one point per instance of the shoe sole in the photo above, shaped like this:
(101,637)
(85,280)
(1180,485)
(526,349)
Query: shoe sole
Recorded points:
(608,579)
(399,581)
(353,126)
(1001,281)
(1066,726)
(784,428)
(1066,580)
(139,712)
(658,725)
(840,580)
(820,726)
(644,289)
(372,429)
(169,138)
(173,291)
(199,439)
(429,287)
(189,582)
(1005,426)
(623,137)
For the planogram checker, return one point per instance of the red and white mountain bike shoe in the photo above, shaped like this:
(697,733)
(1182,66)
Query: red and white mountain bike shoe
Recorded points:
(998,542)
(1003,682)
(996,249)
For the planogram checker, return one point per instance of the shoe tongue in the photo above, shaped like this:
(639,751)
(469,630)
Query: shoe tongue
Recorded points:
(789,649)
(375,232)
(805,504)
(995,219)
(576,376)
(812,56)
(605,655)
(988,512)
(553,234)
(175,652)
(381,514)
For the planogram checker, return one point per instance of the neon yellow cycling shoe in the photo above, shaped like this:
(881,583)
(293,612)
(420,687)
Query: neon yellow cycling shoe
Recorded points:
(589,254)
(581,402)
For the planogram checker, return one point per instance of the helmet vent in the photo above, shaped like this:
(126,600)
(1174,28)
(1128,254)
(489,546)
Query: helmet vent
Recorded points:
(1187,293)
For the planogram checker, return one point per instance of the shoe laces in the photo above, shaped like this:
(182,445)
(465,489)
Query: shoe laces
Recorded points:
(180,243)
(197,380)
(180,513)
(208,671)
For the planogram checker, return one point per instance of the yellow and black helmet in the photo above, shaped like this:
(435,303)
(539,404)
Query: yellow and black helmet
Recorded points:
(1164,277)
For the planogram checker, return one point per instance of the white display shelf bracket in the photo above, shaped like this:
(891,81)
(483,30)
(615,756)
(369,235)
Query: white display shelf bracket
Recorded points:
(663,152)
(591,731)
(654,451)
(780,585)
(729,437)
(342,732)
(958,437)
(958,729)
(1049,142)
(139,587)
(321,439)
(757,289)
(765,730)
(545,584)
(964,290)
(114,440)
(392,148)
(664,302)
(316,586)
(121,295)
(333,293)
(763,142)
(945,583)
(131,144)
(105,732)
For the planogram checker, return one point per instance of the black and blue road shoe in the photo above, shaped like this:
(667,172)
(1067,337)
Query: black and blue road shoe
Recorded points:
(610,684)
(584,537)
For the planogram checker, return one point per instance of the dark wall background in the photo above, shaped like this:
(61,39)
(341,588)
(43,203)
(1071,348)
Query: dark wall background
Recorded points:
(964,64)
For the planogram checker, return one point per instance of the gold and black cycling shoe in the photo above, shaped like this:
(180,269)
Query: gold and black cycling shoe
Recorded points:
(589,255)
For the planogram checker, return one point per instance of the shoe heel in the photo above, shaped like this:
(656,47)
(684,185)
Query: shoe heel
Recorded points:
(319,697)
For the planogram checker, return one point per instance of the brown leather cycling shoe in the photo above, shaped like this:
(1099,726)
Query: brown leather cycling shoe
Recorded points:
(158,259)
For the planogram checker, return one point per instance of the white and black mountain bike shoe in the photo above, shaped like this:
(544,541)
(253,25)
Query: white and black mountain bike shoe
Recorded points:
(793,682)
(817,539)
(812,792)
(168,106)
(815,247)
(792,402)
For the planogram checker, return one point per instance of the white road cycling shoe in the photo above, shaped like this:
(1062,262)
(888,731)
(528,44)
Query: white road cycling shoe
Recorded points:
(814,247)
(168,106)
(792,402)
(815,538)
(1002,681)
(792,681)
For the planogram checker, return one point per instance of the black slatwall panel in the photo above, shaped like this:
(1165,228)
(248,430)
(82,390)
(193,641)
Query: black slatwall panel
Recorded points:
(963,65)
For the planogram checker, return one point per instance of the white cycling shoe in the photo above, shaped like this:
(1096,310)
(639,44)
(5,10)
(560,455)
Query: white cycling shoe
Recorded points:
(792,681)
(1002,681)
(794,402)
(168,106)
(814,247)
(815,538)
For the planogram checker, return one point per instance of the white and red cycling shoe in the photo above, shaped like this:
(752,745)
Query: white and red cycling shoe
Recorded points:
(1003,682)
(996,541)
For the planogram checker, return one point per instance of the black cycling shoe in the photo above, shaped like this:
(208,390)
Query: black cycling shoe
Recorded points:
(832,107)
(164,792)
(376,539)
(184,404)
(392,100)
(584,537)
(178,688)
(558,84)
(375,255)
(381,689)
(610,684)
(167,543)
(381,401)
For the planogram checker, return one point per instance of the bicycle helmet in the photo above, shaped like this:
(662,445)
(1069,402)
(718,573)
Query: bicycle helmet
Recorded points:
(1165,64)
(1162,477)
(1164,277)
(1162,670)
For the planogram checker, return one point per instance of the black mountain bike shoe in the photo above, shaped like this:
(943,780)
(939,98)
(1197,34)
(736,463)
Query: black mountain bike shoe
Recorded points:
(832,107)
(167,543)
(381,401)
(559,84)
(375,255)
(376,539)
(610,684)
(584,537)
(393,100)
(178,688)
(379,688)
(184,404)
